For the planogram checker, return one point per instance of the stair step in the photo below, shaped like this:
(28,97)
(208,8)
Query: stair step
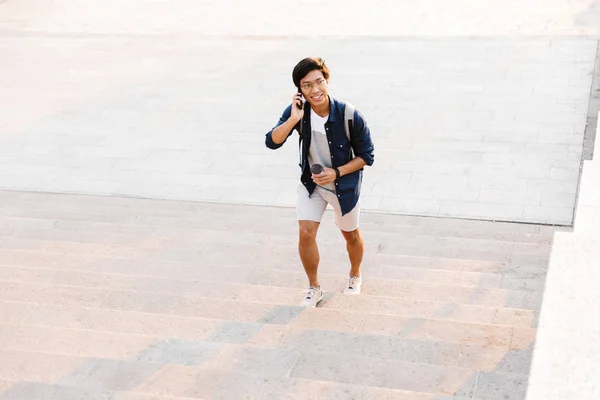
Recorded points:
(8,333)
(502,233)
(276,360)
(56,202)
(266,333)
(157,324)
(31,257)
(401,375)
(258,224)
(245,255)
(530,295)
(29,390)
(218,378)
(374,265)
(473,261)
(319,318)
(15,312)
(281,287)
(266,244)
(168,213)
(55,327)
(286,229)
(405,307)
(461,278)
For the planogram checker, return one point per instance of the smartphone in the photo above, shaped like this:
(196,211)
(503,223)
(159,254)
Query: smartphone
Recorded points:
(300,106)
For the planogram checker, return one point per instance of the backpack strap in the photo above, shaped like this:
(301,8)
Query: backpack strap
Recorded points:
(349,120)
(299,129)
(349,124)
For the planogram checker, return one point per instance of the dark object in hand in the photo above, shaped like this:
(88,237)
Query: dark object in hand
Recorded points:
(316,169)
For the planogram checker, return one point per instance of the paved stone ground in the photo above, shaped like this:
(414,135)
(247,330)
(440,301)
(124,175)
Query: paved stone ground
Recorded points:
(115,298)
(144,99)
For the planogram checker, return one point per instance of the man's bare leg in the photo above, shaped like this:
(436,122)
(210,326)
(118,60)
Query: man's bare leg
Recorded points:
(309,252)
(356,250)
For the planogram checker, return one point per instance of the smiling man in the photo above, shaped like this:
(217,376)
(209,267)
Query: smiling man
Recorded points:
(335,136)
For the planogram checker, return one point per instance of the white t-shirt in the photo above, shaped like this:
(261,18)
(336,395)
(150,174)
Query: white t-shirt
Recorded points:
(319,148)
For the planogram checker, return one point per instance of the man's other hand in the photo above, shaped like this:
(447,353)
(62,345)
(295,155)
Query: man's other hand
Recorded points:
(325,177)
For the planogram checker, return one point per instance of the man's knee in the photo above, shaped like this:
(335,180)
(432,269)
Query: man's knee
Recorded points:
(308,232)
(352,237)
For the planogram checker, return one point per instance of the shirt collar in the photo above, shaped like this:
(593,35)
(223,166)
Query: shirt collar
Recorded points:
(333,109)
(334,106)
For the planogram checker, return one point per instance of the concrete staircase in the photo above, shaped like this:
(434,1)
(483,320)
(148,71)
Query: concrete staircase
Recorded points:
(122,298)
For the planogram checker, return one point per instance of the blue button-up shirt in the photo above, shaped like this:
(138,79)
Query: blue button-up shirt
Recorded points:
(348,186)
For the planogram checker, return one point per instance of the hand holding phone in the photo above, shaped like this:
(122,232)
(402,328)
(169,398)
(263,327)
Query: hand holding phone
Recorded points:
(300,103)
(297,106)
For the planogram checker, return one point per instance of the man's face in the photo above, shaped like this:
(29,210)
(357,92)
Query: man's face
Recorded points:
(314,88)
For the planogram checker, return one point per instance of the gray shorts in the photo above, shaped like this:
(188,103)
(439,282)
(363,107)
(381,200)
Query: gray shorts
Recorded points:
(312,208)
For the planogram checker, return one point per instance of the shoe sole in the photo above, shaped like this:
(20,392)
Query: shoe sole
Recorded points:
(318,301)
(313,306)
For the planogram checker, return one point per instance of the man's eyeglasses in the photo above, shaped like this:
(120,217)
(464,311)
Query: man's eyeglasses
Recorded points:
(309,85)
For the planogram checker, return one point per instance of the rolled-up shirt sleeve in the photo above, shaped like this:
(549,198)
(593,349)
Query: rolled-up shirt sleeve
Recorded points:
(269,137)
(361,140)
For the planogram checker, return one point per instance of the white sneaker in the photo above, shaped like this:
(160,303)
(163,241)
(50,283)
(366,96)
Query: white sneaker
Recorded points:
(313,296)
(354,283)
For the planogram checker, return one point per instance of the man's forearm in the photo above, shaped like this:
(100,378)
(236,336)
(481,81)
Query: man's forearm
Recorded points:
(354,165)
(281,133)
